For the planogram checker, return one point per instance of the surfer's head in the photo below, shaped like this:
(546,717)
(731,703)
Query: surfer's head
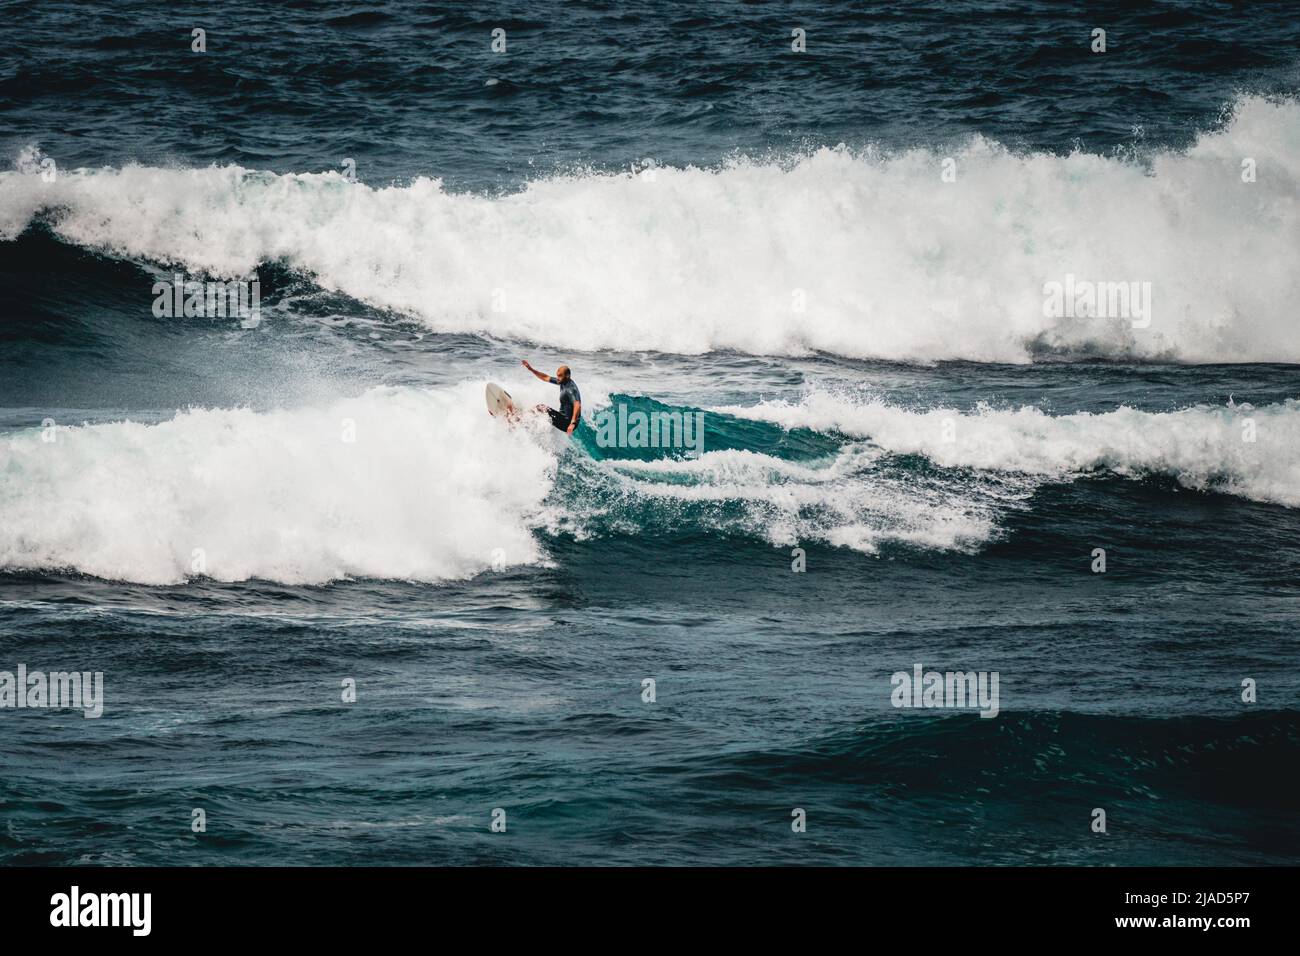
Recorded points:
(562,373)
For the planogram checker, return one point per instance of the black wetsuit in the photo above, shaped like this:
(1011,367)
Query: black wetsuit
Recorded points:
(568,396)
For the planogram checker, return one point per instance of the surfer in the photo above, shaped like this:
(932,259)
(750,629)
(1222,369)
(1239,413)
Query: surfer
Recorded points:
(566,419)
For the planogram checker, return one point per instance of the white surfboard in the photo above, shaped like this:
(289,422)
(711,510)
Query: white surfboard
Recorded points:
(499,404)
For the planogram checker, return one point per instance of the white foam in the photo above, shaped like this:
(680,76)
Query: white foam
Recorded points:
(895,263)
(844,501)
(426,492)
(1202,447)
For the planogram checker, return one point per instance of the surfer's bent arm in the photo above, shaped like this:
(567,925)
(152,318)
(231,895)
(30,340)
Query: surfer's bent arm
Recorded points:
(577,410)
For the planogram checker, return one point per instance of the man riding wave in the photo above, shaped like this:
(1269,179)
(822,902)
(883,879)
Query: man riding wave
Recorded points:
(570,412)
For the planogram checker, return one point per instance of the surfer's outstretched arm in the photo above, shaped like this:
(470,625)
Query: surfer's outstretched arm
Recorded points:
(542,375)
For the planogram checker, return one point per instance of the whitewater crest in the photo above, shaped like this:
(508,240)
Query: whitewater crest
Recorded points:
(363,487)
(1240,450)
(862,254)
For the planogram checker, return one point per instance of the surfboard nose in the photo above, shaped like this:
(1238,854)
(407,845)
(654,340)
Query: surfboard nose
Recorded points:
(498,400)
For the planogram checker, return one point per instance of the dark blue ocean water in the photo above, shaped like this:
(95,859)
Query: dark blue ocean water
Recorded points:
(695,218)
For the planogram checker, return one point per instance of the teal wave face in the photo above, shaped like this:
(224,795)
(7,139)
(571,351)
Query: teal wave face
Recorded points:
(625,429)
